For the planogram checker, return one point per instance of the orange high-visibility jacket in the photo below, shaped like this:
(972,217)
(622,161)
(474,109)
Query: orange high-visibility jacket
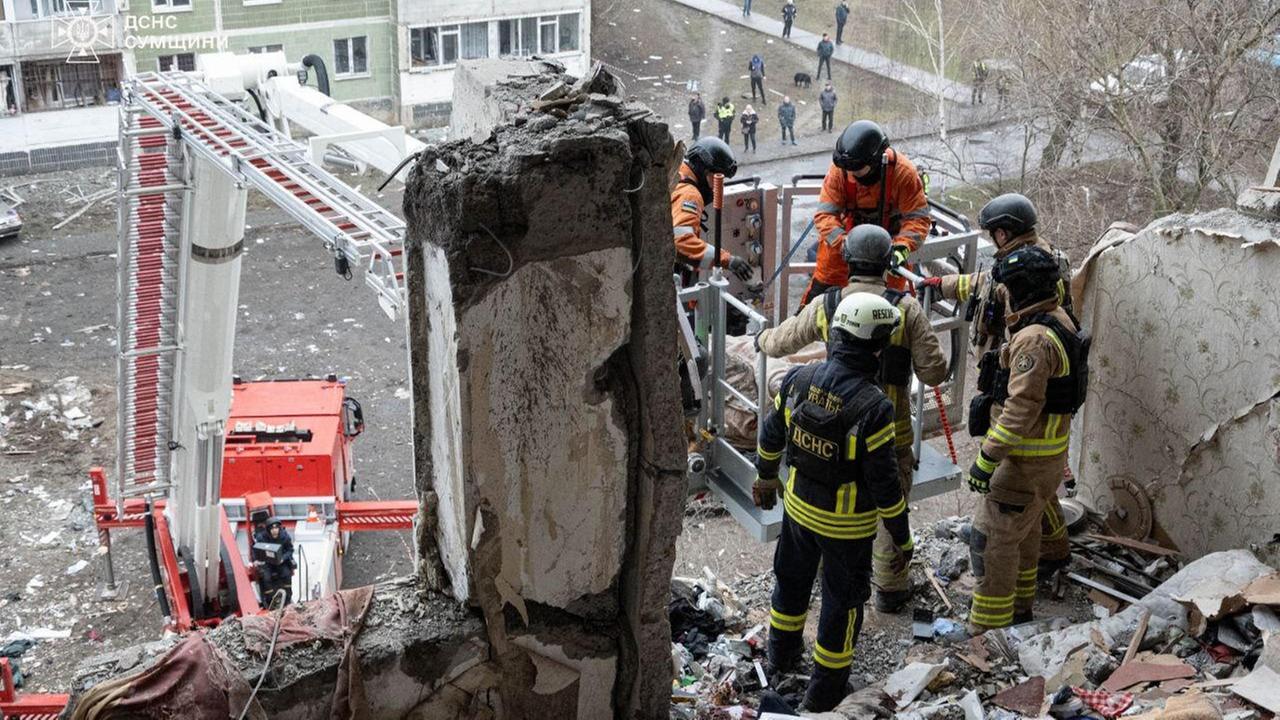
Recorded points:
(844,203)
(686,223)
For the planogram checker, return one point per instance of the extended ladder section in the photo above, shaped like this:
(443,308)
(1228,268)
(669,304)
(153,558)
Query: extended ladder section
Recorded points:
(354,228)
(151,186)
(167,120)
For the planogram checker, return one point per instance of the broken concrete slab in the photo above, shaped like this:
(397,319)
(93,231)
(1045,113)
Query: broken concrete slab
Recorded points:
(1046,653)
(409,646)
(905,685)
(548,431)
(1261,687)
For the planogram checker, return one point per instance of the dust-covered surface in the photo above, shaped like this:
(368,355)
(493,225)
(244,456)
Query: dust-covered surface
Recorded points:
(57,320)
(410,637)
(559,486)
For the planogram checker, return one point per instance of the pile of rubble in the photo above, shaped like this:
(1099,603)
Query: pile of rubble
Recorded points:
(1143,636)
(64,408)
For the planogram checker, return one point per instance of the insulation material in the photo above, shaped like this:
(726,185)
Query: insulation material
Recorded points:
(1183,413)
(740,371)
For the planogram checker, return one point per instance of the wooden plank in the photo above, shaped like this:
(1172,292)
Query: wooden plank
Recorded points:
(1137,638)
(1135,545)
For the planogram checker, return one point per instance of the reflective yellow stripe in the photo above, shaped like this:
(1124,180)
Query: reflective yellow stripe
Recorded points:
(822,320)
(991,620)
(1002,434)
(1041,448)
(777,401)
(992,602)
(852,451)
(880,437)
(782,621)
(766,455)
(962,287)
(984,464)
(848,632)
(844,498)
(827,515)
(1062,353)
(1029,572)
(786,416)
(910,544)
(830,659)
(841,531)
(894,511)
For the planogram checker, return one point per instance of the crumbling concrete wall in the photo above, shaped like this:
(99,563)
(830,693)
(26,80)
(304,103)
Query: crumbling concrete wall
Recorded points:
(548,448)
(1181,430)
(489,93)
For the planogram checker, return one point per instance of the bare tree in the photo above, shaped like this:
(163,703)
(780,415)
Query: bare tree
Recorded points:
(1185,86)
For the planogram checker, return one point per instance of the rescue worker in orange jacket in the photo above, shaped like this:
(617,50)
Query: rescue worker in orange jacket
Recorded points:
(867,252)
(1038,385)
(1010,220)
(705,158)
(867,183)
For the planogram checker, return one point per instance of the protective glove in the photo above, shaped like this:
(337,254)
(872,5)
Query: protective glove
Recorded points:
(740,267)
(764,492)
(980,473)
(903,559)
(899,255)
(933,283)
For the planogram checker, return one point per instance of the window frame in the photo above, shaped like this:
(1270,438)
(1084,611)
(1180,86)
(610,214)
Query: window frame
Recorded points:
(540,23)
(350,53)
(264,49)
(172,6)
(161,66)
(455,31)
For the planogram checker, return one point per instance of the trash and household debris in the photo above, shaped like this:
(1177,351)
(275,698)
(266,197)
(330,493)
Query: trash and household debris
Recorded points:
(65,406)
(1166,641)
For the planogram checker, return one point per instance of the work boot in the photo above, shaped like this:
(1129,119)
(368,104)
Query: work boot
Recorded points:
(826,689)
(782,654)
(892,601)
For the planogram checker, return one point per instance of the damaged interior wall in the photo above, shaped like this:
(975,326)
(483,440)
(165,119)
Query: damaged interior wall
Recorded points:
(1180,435)
(548,449)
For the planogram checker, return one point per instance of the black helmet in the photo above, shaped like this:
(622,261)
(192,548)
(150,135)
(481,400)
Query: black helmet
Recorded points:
(709,156)
(1011,212)
(273,520)
(861,144)
(867,250)
(1029,274)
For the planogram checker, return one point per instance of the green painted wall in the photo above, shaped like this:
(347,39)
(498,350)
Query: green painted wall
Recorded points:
(301,26)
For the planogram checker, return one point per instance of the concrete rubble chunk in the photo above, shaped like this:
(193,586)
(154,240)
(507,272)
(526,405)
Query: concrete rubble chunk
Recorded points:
(541,346)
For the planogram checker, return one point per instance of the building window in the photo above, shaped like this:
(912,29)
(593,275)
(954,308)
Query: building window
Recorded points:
(262,49)
(446,44)
(170,5)
(350,56)
(546,34)
(181,61)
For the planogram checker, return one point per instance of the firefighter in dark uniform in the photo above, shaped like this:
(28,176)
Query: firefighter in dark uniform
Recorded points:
(836,427)
(275,571)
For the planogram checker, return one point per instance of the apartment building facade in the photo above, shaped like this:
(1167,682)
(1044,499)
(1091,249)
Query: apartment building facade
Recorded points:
(355,39)
(57,54)
(394,59)
(433,35)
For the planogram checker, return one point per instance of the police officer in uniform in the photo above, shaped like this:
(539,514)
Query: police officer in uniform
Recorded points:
(837,429)
(1010,220)
(1039,383)
(868,252)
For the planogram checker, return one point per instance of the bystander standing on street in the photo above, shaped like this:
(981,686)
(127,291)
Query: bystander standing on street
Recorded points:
(827,101)
(825,51)
(749,122)
(842,17)
(787,119)
(697,113)
(788,17)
